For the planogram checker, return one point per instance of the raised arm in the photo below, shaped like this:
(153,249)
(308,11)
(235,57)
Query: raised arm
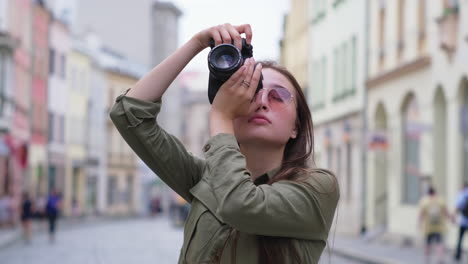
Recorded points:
(134,114)
(152,86)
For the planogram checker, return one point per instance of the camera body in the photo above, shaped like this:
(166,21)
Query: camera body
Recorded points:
(223,61)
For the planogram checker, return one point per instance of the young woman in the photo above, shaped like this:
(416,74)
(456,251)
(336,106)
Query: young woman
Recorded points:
(253,197)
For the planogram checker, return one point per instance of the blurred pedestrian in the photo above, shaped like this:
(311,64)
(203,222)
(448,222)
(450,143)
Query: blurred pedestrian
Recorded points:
(52,212)
(433,214)
(27,213)
(462,210)
(155,206)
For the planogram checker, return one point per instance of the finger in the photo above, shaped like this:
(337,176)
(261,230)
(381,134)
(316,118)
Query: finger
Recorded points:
(255,79)
(244,81)
(250,70)
(236,77)
(225,35)
(235,36)
(247,30)
(216,37)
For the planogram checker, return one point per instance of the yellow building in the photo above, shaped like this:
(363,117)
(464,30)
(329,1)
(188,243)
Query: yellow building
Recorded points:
(78,81)
(294,45)
(123,181)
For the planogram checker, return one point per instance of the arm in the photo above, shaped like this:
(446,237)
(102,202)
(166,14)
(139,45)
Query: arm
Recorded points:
(134,114)
(163,153)
(303,210)
(152,86)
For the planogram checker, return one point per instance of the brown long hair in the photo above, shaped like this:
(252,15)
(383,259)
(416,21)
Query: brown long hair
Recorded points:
(297,153)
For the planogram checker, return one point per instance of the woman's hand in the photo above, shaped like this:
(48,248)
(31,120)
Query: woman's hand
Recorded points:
(234,97)
(225,33)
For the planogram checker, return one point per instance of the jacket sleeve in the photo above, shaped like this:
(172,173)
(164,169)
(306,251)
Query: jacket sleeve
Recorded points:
(302,210)
(163,153)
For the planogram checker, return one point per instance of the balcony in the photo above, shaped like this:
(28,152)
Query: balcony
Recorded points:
(7,41)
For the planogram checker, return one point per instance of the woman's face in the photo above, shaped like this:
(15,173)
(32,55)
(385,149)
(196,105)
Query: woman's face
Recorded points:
(266,122)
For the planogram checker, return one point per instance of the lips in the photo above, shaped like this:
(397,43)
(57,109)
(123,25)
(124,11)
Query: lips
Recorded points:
(262,117)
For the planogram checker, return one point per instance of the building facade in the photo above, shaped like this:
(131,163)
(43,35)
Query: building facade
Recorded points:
(96,132)
(59,48)
(78,82)
(8,178)
(417,90)
(336,99)
(123,179)
(295,43)
(39,113)
(20,136)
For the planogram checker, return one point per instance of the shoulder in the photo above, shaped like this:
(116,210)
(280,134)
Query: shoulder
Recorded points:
(321,180)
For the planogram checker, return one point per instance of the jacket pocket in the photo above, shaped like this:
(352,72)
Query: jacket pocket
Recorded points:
(206,240)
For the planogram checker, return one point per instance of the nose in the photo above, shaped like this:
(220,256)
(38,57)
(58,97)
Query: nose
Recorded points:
(261,99)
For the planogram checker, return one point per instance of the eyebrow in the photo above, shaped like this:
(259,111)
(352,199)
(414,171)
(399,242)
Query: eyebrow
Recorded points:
(279,86)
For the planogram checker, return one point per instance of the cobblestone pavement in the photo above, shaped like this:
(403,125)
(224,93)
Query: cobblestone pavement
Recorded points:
(142,241)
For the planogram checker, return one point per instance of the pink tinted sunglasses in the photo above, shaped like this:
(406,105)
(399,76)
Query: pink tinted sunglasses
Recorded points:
(277,97)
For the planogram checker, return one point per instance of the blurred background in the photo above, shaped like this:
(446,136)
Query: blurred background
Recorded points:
(386,81)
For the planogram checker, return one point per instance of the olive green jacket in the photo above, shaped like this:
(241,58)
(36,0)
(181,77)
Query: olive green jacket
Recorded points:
(224,197)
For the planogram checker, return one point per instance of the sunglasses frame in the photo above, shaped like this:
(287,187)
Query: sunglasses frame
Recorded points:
(266,92)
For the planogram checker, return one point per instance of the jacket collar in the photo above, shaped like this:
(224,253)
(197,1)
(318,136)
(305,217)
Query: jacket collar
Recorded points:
(266,177)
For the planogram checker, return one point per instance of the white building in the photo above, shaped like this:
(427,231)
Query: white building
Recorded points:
(60,45)
(418,96)
(97,131)
(336,98)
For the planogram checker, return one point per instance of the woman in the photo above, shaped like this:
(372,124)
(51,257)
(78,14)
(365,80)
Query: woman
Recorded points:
(253,198)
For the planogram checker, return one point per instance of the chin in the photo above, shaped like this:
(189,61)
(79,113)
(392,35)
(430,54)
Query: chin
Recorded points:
(256,136)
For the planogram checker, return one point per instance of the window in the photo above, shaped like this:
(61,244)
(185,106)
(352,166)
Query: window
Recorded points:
(381,35)
(342,70)
(63,67)
(400,29)
(346,69)
(51,61)
(51,127)
(353,64)
(129,198)
(338,163)
(411,148)
(349,167)
(335,73)
(422,26)
(3,80)
(324,80)
(329,157)
(111,190)
(338,76)
(62,129)
(319,8)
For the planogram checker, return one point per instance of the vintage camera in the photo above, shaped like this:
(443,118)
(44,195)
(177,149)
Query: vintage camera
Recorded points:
(223,61)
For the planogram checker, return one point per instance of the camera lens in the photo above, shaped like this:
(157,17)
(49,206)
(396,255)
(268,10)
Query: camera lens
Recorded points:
(224,61)
(225,57)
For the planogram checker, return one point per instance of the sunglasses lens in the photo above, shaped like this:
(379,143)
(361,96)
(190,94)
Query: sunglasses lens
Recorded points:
(279,97)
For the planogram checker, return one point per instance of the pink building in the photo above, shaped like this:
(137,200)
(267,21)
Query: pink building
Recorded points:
(38,184)
(18,136)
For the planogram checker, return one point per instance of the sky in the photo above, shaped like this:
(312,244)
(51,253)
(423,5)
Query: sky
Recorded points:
(265,17)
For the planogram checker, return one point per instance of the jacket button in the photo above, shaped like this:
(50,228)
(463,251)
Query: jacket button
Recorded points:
(206,148)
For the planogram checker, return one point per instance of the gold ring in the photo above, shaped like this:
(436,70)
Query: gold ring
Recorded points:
(245,83)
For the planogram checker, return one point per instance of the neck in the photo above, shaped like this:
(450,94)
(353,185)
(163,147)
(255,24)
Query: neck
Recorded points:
(262,159)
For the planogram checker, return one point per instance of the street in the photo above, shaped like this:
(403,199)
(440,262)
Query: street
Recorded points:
(126,241)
